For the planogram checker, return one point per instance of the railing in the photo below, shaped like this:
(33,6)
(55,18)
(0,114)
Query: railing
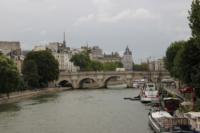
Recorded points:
(111,73)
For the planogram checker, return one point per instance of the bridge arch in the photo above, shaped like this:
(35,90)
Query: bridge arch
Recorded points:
(65,83)
(106,81)
(87,82)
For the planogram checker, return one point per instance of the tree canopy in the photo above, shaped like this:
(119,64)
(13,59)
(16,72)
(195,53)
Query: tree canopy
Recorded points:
(183,57)
(194,18)
(40,67)
(171,53)
(86,64)
(9,75)
(140,67)
(82,60)
(30,72)
(187,63)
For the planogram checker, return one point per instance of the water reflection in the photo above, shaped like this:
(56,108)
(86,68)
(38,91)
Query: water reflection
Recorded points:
(45,98)
(12,107)
(39,100)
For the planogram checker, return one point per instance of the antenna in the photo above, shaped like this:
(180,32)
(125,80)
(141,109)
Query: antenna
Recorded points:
(64,42)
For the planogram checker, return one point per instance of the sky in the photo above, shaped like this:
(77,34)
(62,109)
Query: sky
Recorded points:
(146,26)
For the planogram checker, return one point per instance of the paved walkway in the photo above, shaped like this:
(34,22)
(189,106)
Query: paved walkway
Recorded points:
(15,96)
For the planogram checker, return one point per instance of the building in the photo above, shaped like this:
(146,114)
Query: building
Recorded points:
(96,52)
(39,48)
(64,62)
(156,65)
(108,58)
(127,60)
(63,55)
(8,47)
(13,51)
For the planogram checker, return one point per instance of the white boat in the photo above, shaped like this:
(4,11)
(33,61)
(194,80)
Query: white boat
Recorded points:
(163,122)
(194,118)
(149,93)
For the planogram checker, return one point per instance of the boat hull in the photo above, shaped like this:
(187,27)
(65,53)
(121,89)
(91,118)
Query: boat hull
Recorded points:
(153,125)
(149,99)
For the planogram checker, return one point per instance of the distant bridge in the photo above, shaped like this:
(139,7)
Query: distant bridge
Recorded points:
(76,79)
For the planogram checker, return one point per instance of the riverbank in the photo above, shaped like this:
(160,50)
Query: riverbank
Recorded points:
(17,96)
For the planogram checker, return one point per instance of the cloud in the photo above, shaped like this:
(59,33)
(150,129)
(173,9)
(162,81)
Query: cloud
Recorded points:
(108,11)
(84,19)
(27,30)
(43,32)
(127,14)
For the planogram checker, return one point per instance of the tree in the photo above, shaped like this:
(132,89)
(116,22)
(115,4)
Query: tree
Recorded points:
(82,60)
(96,66)
(171,53)
(188,63)
(183,58)
(111,66)
(9,76)
(86,64)
(194,18)
(30,72)
(140,67)
(47,67)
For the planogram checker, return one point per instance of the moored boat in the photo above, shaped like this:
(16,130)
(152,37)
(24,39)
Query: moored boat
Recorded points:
(194,119)
(149,93)
(163,122)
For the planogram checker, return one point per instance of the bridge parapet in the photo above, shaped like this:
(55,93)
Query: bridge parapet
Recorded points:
(101,77)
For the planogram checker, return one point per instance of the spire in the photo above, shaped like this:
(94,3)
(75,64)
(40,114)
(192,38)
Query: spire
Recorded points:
(64,42)
(127,51)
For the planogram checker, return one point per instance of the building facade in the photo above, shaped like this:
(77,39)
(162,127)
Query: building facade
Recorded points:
(97,55)
(156,65)
(63,55)
(127,60)
(13,51)
(39,48)
(96,52)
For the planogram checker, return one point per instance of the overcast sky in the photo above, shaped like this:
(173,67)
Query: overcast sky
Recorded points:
(146,26)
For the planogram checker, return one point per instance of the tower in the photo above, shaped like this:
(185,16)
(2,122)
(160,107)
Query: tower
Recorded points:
(127,59)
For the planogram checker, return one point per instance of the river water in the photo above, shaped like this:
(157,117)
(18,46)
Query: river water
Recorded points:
(78,111)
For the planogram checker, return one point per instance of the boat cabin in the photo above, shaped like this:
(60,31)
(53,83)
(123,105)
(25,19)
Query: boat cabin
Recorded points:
(163,122)
(170,104)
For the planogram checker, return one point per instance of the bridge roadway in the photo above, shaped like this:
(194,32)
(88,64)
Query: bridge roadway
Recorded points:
(76,79)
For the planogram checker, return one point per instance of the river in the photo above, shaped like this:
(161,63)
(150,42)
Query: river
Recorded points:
(77,111)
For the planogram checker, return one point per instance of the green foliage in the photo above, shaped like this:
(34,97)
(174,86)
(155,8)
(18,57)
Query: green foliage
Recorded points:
(30,72)
(95,66)
(111,66)
(194,18)
(45,68)
(140,67)
(9,76)
(188,63)
(86,64)
(82,60)
(171,53)
(183,58)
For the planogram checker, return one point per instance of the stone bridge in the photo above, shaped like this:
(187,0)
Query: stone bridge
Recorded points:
(76,79)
